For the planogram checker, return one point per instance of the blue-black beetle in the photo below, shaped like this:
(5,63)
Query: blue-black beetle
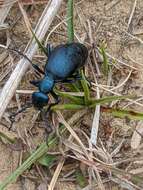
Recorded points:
(62,65)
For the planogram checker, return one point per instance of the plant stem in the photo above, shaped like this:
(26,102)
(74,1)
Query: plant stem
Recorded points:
(70,21)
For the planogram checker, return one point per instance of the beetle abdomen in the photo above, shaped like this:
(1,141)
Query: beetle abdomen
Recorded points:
(66,59)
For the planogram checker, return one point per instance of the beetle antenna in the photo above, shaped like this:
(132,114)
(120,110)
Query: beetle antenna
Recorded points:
(20,53)
(25,56)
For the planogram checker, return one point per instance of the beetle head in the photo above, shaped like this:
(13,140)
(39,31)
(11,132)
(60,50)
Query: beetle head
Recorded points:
(39,100)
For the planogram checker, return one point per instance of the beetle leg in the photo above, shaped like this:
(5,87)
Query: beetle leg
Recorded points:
(79,77)
(71,79)
(47,126)
(37,68)
(35,82)
(13,115)
(55,96)
(57,100)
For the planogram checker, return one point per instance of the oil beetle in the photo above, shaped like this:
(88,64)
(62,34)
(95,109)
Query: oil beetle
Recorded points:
(62,66)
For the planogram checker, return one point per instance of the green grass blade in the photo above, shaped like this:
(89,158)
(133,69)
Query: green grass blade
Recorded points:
(85,88)
(67,107)
(74,87)
(81,179)
(47,160)
(70,21)
(43,49)
(92,103)
(105,60)
(74,99)
(123,113)
(108,99)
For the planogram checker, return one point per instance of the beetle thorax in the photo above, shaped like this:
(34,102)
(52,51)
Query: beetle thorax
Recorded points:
(46,85)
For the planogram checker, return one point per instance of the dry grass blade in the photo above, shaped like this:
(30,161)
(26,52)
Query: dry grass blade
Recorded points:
(118,148)
(121,62)
(50,33)
(40,31)
(5,63)
(92,42)
(123,82)
(62,120)
(115,93)
(6,3)
(80,156)
(29,2)
(111,4)
(24,91)
(137,171)
(4,10)
(131,15)
(26,20)
(123,183)
(136,137)
(74,147)
(134,37)
(99,180)
(56,174)
(95,123)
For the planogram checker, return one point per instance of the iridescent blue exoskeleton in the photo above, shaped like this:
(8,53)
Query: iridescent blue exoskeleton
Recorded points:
(62,66)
